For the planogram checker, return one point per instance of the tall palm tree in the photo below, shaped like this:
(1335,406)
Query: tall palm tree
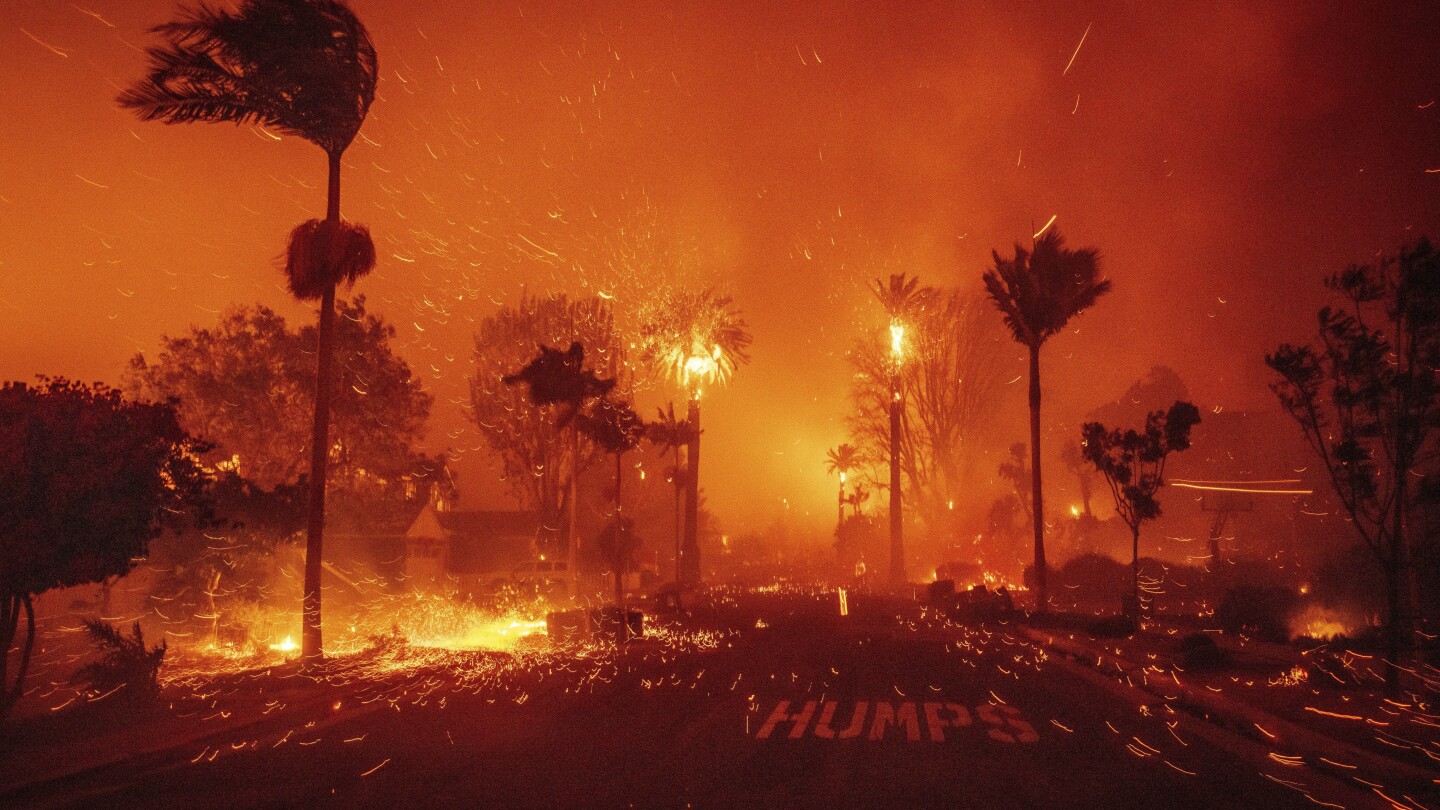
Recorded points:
(841,460)
(616,428)
(671,433)
(695,339)
(561,379)
(1038,292)
(305,68)
(902,298)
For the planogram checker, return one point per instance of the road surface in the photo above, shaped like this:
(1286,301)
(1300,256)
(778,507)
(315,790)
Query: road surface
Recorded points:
(783,703)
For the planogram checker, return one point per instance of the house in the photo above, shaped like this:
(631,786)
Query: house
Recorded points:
(469,551)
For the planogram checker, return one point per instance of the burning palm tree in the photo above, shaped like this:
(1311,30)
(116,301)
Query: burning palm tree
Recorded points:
(841,460)
(305,68)
(902,298)
(695,340)
(1038,292)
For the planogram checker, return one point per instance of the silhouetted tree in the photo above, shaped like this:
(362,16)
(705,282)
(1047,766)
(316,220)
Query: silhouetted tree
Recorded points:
(540,466)
(1368,403)
(1074,462)
(308,69)
(670,433)
(87,480)
(240,382)
(560,379)
(1038,292)
(1013,469)
(614,426)
(1133,465)
(694,339)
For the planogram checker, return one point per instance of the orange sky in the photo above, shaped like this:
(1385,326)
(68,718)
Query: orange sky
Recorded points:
(1222,159)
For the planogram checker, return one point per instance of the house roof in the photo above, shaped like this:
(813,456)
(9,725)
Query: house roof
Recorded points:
(480,540)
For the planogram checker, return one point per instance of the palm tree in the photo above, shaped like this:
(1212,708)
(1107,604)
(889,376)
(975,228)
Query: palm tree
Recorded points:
(616,428)
(695,339)
(305,68)
(841,460)
(673,434)
(561,379)
(1038,292)
(902,298)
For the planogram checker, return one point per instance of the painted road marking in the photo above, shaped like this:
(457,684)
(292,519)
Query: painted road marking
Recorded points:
(1002,723)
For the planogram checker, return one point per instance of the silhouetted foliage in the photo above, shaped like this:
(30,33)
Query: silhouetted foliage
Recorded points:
(304,67)
(87,480)
(321,256)
(127,666)
(614,426)
(1368,403)
(1038,292)
(242,382)
(1262,611)
(1133,465)
(535,460)
(560,378)
(670,433)
(1199,651)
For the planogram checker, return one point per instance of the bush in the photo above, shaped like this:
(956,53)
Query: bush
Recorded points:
(1113,627)
(1199,651)
(1093,578)
(1262,611)
(128,665)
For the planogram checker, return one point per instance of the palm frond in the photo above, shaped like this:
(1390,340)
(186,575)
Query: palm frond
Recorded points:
(315,262)
(1040,290)
(304,67)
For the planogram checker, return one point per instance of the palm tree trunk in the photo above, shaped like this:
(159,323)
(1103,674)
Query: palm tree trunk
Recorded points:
(678,500)
(897,523)
(1042,594)
(620,540)
(310,649)
(691,553)
(572,542)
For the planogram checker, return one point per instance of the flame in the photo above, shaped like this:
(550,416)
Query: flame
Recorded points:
(288,645)
(897,339)
(1322,623)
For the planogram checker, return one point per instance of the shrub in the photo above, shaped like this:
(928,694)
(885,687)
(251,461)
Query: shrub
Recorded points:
(128,665)
(1262,611)
(1093,578)
(1199,651)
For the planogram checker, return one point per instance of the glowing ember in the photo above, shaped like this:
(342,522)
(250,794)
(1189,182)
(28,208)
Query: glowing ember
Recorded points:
(501,634)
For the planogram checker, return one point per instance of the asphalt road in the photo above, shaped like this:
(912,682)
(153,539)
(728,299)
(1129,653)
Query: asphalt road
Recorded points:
(787,705)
